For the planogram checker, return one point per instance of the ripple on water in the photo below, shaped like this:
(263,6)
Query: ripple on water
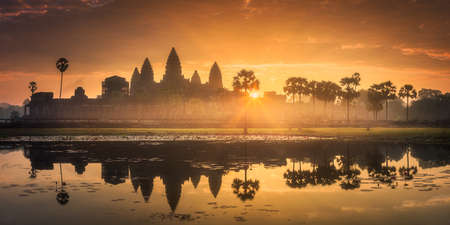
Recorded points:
(239,219)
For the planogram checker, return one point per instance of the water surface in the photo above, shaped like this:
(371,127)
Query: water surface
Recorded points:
(222,182)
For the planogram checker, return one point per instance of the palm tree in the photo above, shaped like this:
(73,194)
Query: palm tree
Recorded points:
(302,87)
(328,92)
(407,91)
(291,88)
(62,64)
(313,89)
(33,87)
(245,82)
(374,100)
(387,91)
(350,85)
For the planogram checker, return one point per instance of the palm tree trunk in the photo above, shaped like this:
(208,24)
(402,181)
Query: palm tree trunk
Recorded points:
(314,105)
(245,122)
(246,109)
(60,86)
(387,109)
(348,111)
(407,107)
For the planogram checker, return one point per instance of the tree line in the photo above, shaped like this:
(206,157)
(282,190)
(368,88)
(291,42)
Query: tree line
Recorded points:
(430,104)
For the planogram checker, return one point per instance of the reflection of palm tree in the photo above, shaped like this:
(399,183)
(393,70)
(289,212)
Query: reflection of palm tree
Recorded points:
(62,197)
(407,172)
(245,189)
(296,179)
(32,173)
(324,172)
(384,174)
(326,175)
(62,64)
(349,175)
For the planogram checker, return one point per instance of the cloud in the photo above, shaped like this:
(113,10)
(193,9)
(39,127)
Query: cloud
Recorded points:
(433,53)
(358,46)
(10,9)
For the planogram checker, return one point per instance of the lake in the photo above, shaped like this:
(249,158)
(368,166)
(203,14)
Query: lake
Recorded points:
(232,181)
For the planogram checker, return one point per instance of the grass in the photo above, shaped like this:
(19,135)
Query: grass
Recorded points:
(317,132)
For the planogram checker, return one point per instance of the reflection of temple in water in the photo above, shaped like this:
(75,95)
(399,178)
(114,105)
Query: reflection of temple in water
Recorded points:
(176,163)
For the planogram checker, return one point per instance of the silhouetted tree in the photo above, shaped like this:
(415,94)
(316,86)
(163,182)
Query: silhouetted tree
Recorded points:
(302,87)
(313,89)
(350,85)
(32,86)
(245,82)
(62,64)
(429,93)
(407,91)
(387,91)
(291,88)
(328,92)
(431,105)
(374,101)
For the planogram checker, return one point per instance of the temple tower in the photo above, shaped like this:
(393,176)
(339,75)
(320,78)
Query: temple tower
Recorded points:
(195,80)
(147,77)
(215,77)
(135,79)
(173,79)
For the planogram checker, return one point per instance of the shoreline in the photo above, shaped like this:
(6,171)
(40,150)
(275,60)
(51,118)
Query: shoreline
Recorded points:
(412,135)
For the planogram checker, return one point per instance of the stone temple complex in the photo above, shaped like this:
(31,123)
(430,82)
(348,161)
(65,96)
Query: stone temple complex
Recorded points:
(174,97)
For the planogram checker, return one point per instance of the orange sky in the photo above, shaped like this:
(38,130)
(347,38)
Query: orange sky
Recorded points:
(406,41)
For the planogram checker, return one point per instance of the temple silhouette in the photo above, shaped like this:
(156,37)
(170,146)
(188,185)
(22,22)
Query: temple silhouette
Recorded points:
(174,97)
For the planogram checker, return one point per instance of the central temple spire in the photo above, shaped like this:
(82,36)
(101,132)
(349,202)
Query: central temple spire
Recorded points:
(173,78)
(215,77)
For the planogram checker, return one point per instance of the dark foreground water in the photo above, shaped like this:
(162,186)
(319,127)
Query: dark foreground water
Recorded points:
(205,182)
